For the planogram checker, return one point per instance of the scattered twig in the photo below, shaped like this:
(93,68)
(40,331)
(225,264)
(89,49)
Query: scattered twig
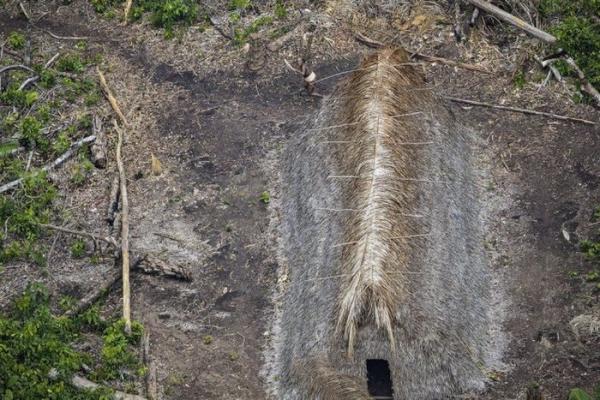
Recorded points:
(511,19)
(585,84)
(458,29)
(520,110)
(68,154)
(377,44)
(15,66)
(457,64)
(63,37)
(95,238)
(553,71)
(11,53)
(111,99)
(99,147)
(28,82)
(35,78)
(29,161)
(474,17)
(367,41)
(24,11)
(124,230)
(51,61)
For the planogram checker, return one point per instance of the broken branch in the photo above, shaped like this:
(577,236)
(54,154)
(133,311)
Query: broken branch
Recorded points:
(519,110)
(91,298)
(585,84)
(124,231)
(68,154)
(92,236)
(111,99)
(511,19)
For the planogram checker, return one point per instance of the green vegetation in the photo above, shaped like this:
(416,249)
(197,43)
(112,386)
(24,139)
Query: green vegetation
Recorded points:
(579,394)
(170,14)
(16,40)
(78,248)
(116,353)
(32,120)
(575,25)
(22,213)
(37,350)
(165,14)
(242,34)
(265,197)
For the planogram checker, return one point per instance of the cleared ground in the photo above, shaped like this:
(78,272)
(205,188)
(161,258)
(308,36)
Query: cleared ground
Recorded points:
(216,115)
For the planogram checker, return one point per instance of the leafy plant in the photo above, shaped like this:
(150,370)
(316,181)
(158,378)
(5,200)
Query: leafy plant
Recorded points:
(22,213)
(36,354)
(70,63)
(573,22)
(265,197)
(280,10)
(78,248)
(115,350)
(16,40)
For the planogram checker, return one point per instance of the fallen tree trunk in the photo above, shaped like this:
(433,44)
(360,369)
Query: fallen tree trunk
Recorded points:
(153,265)
(511,19)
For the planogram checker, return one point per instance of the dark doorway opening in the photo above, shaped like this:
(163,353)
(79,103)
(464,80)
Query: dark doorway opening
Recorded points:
(379,380)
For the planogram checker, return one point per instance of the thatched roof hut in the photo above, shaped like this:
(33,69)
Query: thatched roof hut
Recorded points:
(382,233)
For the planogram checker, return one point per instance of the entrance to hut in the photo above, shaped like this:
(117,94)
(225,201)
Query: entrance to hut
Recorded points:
(379,380)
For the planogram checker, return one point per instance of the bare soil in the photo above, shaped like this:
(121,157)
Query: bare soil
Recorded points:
(215,116)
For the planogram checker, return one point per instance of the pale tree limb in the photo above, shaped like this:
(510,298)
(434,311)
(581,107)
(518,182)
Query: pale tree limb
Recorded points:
(124,231)
(519,110)
(511,19)
(111,99)
(585,84)
(68,154)
(126,12)
(95,238)
(82,383)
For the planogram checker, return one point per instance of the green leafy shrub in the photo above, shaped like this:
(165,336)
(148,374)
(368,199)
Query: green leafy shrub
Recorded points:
(34,342)
(166,14)
(16,40)
(31,133)
(22,214)
(115,350)
(280,10)
(78,248)
(71,63)
(573,22)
